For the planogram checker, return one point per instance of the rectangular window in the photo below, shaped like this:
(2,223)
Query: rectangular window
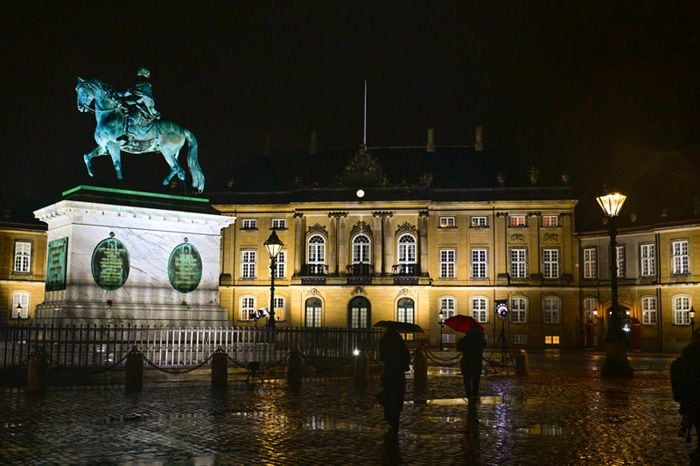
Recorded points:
(518,263)
(20,305)
(679,251)
(447,307)
(649,310)
(479,263)
(590,263)
(249,224)
(551,339)
(448,222)
(279,308)
(280,264)
(520,339)
(479,310)
(551,263)
(23,256)
(620,260)
(552,311)
(279,224)
(248,264)
(647,255)
(478,222)
(247,308)
(518,221)
(518,311)
(550,220)
(447,263)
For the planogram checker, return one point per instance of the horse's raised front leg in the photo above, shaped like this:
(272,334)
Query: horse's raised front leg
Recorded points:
(115,153)
(96,152)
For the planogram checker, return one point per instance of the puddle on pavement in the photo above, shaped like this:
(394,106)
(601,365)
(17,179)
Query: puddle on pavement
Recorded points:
(332,423)
(549,430)
(484,400)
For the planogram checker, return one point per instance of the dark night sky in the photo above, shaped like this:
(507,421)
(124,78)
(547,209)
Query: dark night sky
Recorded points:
(577,83)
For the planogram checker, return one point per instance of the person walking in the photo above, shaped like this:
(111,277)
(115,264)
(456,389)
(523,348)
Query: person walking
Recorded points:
(472,346)
(685,383)
(396,358)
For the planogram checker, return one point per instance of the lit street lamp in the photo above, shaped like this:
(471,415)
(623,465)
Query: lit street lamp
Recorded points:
(691,314)
(19,312)
(273,246)
(441,321)
(616,362)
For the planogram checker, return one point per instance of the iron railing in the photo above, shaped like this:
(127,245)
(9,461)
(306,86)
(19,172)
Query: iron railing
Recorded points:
(75,346)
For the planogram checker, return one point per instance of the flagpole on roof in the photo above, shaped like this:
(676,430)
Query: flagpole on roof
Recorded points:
(364,129)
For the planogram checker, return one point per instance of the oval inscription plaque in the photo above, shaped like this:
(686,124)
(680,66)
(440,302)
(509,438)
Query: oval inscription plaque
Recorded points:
(110,263)
(185,267)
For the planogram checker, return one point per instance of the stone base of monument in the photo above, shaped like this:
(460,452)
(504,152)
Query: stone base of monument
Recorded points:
(119,257)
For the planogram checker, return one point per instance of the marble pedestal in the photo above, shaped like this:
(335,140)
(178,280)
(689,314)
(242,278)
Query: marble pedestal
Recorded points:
(128,258)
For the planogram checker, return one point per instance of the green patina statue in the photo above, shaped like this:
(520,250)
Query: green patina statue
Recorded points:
(129,122)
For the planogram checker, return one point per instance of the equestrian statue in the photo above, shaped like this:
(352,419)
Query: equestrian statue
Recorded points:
(128,121)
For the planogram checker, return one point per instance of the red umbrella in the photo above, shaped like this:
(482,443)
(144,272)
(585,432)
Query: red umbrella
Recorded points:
(460,323)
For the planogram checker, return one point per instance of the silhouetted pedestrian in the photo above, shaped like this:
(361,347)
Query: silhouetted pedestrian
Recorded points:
(396,358)
(472,346)
(685,382)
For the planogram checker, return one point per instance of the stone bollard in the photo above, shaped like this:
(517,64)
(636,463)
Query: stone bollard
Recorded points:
(522,366)
(294,370)
(361,373)
(219,369)
(133,377)
(420,376)
(38,373)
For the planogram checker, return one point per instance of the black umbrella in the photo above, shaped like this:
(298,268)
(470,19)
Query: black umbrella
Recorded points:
(401,327)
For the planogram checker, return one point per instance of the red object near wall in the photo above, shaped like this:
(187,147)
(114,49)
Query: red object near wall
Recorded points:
(636,334)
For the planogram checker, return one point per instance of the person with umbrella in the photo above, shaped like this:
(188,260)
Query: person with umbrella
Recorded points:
(396,358)
(472,346)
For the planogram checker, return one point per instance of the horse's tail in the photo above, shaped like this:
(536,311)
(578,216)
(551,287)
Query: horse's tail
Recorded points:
(193,161)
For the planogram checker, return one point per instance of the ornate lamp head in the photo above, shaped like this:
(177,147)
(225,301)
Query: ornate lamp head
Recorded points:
(144,72)
(273,245)
(611,204)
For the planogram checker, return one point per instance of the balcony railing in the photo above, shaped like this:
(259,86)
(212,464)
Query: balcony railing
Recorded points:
(359,274)
(406,274)
(314,274)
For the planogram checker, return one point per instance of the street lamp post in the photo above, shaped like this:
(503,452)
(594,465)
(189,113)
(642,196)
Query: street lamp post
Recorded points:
(616,362)
(19,313)
(691,314)
(441,321)
(273,245)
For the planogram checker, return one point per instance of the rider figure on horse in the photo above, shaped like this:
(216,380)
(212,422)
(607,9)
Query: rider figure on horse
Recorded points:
(140,97)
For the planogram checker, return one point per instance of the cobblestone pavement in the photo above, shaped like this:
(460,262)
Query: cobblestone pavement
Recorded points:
(563,413)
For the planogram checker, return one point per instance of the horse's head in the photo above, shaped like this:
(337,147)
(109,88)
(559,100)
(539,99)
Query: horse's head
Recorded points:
(86,94)
(90,90)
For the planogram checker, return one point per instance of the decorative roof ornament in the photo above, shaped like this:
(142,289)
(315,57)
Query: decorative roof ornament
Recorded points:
(362,170)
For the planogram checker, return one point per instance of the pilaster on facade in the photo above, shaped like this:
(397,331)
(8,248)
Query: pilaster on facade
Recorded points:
(386,240)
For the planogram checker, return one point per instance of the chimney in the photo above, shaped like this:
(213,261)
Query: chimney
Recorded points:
(268,144)
(479,141)
(313,143)
(430,146)
(501,178)
(696,205)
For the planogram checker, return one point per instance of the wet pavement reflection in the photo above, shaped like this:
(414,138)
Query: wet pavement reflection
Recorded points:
(563,413)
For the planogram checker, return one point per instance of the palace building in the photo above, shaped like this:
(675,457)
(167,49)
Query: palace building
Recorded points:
(450,231)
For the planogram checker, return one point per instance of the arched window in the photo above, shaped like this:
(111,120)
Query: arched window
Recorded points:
(312,312)
(681,309)
(317,255)
(590,306)
(405,310)
(480,309)
(361,249)
(447,305)
(359,314)
(406,254)
(518,310)
(552,309)
(20,305)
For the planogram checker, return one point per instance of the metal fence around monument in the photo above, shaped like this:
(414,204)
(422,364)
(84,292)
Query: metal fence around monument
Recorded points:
(84,346)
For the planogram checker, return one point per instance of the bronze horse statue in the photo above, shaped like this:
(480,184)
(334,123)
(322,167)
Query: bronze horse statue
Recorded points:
(114,125)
